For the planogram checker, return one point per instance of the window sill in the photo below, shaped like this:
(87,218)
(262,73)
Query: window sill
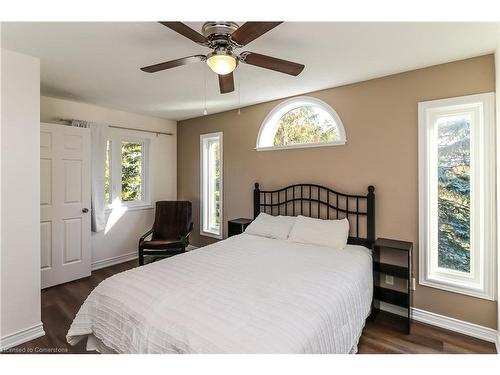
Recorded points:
(457,288)
(213,235)
(305,145)
(130,208)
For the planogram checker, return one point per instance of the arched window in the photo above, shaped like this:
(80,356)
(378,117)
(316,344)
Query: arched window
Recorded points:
(301,122)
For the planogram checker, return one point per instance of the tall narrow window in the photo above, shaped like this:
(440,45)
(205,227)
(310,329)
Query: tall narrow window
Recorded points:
(211,184)
(456,173)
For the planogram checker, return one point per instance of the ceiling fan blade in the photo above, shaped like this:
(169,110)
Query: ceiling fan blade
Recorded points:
(173,63)
(252,30)
(272,63)
(186,31)
(226,83)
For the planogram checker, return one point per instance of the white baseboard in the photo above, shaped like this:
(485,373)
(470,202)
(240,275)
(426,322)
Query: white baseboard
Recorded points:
(97,265)
(451,324)
(497,343)
(22,336)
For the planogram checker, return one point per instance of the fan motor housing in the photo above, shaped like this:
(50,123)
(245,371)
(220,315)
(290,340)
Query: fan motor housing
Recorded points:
(213,28)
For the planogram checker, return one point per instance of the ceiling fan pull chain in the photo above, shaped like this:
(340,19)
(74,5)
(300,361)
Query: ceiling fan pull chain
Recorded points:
(239,92)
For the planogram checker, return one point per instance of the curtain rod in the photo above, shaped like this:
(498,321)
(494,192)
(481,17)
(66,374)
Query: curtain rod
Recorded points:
(122,127)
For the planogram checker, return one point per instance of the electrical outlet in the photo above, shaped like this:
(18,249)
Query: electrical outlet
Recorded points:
(389,280)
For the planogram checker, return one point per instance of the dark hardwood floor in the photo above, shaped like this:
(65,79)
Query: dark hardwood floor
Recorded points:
(384,335)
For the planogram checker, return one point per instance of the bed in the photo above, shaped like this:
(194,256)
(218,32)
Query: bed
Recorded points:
(245,294)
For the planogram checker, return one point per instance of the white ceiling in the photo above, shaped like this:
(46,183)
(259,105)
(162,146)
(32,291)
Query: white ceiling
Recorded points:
(99,62)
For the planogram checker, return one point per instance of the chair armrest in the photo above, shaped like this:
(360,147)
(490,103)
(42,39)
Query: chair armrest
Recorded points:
(143,237)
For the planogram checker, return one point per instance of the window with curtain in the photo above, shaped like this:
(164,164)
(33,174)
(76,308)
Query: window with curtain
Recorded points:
(126,178)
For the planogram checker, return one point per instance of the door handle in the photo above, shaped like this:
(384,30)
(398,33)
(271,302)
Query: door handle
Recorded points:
(85,210)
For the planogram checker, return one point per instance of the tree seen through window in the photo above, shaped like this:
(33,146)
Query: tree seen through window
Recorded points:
(454,193)
(132,154)
(306,124)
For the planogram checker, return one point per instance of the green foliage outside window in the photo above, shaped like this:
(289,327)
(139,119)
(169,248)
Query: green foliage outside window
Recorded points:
(454,194)
(107,193)
(305,124)
(131,171)
(217,184)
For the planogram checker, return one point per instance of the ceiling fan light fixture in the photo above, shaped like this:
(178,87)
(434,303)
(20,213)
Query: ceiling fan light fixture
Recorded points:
(222,63)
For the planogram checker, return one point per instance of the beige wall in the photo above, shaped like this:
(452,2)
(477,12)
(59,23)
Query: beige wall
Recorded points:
(380,118)
(121,239)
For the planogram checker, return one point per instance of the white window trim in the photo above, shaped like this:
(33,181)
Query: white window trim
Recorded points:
(117,137)
(271,123)
(482,283)
(202,188)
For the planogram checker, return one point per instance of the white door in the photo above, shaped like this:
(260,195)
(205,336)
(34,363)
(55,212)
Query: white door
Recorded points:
(64,203)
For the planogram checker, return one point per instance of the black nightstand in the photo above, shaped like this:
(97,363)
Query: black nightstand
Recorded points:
(237,226)
(394,297)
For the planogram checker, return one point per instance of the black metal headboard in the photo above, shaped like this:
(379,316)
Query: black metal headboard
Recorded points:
(323,203)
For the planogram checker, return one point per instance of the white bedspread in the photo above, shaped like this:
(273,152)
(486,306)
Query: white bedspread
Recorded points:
(246,294)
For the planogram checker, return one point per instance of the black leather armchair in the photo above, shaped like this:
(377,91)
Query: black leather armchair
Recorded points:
(170,232)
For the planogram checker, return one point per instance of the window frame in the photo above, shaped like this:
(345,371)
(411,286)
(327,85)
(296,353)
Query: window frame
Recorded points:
(273,117)
(116,137)
(203,213)
(481,280)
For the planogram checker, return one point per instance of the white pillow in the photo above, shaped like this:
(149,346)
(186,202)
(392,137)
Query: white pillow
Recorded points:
(265,225)
(331,233)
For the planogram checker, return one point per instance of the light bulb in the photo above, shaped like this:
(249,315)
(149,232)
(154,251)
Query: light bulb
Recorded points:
(221,63)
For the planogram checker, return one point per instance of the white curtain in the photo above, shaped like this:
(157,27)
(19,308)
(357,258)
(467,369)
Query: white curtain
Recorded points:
(98,138)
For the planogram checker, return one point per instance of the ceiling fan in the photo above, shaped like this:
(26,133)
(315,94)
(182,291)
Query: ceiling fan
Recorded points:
(223,38)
